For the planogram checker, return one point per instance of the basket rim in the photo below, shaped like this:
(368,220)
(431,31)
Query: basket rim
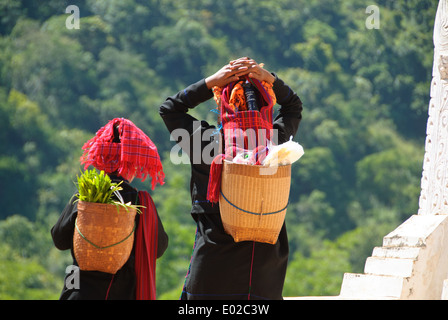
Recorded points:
(258,171)
(130,210)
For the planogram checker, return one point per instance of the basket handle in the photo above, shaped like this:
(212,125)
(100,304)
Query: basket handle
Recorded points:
(106,247)
(255,213)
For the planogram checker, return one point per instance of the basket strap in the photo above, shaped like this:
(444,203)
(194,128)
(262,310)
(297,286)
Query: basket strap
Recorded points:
(106,247)
(255,213)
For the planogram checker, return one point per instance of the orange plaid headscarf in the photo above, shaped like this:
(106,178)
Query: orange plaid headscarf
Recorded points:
(236,100)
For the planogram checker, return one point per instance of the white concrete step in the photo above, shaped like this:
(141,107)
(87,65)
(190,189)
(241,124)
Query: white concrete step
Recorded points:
(396,252)
(413,232)
(389,266)
(371,286)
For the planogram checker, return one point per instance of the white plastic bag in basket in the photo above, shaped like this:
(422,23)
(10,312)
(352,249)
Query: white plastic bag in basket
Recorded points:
(283,154)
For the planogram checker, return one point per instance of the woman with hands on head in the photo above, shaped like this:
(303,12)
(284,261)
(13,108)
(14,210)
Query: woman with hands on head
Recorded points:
(221,268)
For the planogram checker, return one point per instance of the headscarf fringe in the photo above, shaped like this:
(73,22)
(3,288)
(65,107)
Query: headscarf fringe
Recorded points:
(135,155)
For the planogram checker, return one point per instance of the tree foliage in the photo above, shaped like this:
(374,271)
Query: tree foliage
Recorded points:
(365,94)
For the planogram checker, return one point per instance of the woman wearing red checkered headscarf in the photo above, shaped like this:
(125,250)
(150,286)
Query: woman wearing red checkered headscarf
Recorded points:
(221,268)
(124,152)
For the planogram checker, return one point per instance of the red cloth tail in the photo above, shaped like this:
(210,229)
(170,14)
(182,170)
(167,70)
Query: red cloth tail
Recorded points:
(146,249)
(214,181)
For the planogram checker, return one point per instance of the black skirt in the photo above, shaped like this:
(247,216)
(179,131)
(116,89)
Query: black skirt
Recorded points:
(223,269)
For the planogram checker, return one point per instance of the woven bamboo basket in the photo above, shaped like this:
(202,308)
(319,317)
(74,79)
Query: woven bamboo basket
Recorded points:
(253,201)
(103,237)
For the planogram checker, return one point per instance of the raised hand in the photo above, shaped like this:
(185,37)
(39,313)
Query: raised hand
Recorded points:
(237,69)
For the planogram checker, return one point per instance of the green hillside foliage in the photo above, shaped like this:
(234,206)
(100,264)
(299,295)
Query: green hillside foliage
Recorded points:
(365,94)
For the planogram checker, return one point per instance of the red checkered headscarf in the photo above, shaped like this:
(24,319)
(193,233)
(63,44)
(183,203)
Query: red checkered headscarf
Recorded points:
(135,156)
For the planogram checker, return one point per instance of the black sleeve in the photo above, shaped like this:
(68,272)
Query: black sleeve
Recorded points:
(62,231)
(174,113)
(290,111)
(174,110)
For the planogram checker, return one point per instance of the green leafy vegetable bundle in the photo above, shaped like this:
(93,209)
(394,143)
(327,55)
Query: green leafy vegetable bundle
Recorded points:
(97,187)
